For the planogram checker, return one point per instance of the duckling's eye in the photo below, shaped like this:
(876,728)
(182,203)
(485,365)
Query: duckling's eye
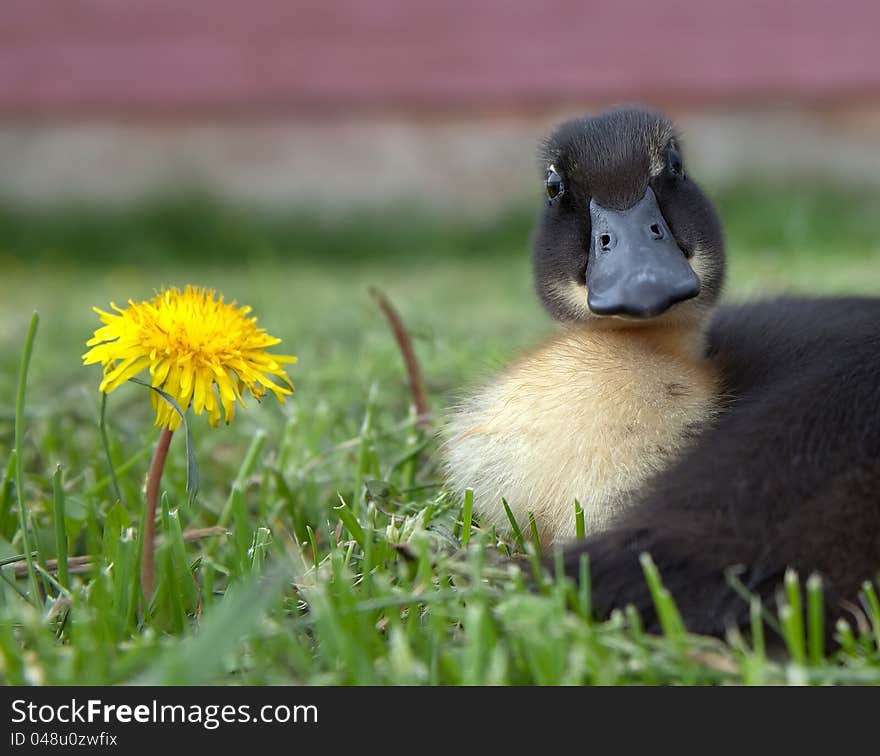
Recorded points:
(555,187)
(674,161)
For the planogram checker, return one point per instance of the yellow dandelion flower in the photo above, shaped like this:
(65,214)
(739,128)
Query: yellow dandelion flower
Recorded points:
(201,351)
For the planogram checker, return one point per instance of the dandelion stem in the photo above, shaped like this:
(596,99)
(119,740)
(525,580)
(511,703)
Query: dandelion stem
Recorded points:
(148,564)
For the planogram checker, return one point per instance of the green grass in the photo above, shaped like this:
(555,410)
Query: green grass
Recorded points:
(341,559)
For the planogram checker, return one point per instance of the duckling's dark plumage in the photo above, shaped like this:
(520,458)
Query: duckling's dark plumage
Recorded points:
(788,475)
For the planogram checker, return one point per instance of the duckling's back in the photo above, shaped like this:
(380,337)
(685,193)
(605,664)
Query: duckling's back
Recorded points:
(788,476)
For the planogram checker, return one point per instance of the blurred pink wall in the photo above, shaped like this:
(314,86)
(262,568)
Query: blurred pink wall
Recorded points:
(114,55)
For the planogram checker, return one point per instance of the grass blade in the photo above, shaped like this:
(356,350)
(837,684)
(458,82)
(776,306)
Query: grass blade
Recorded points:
(7,491)
(350,522)
(585,598)
(466,516)
(105,440)
(536,539)
(244,472)
(260,548)
(580,529)
(846,638)
(873,605)
(60,532)
(756,615)
(667,612)
(19,462)
(514,526)
(314,544)
(815,620)
(791,617)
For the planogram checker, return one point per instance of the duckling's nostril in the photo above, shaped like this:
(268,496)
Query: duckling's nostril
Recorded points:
(656,231)
(605,242)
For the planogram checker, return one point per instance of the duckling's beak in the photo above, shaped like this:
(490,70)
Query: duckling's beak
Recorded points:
(636,267)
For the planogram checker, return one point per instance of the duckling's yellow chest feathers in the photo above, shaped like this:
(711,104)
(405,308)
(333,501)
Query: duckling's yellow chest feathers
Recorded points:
(590,415)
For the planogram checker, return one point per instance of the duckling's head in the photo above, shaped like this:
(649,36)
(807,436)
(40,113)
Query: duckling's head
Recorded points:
(626,236)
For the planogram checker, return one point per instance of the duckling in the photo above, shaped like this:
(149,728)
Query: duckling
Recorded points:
(629,258)
(730,444)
